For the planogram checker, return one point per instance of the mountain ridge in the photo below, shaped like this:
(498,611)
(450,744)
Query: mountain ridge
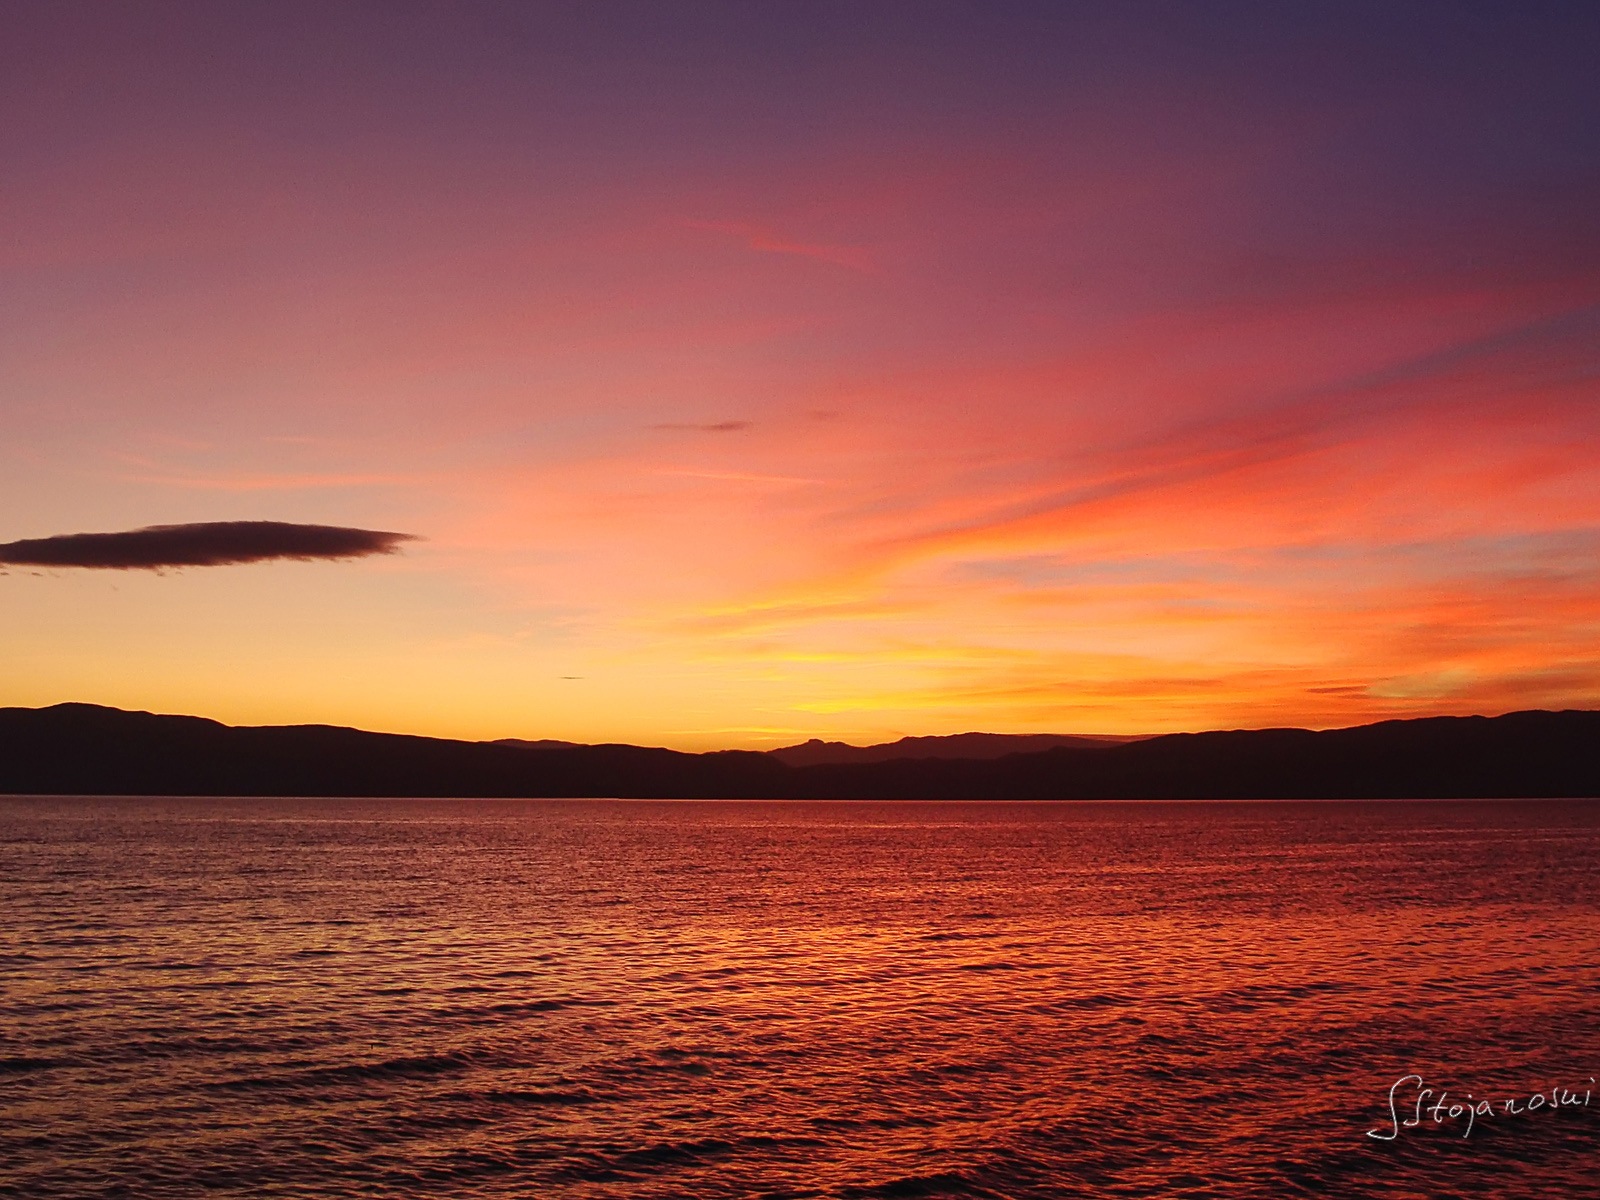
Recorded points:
(89,749)
(971,745)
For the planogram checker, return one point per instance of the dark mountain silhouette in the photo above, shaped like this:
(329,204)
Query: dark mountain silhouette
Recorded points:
(955,745)
(85,749)
(537,743)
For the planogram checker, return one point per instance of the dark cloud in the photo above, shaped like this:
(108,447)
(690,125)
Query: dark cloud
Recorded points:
(709,427)
(209,544)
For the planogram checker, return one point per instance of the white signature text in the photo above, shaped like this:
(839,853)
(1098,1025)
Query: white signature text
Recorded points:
(1443,1108)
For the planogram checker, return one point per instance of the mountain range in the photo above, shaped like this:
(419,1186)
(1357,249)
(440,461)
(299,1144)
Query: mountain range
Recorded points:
(91,750)
(955,745)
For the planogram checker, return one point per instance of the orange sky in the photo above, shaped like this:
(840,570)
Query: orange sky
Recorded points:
(753,379)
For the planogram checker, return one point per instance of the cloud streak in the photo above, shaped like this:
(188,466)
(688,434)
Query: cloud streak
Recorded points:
(705,427)
(204,544)
(766,242)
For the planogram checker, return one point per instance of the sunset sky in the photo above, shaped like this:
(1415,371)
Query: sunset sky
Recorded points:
(753,372)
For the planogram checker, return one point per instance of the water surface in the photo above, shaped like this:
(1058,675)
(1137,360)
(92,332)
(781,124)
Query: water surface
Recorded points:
(439,998)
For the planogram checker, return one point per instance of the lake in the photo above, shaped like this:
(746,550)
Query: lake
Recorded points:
(451,998)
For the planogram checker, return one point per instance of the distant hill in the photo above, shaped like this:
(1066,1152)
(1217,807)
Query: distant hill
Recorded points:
(536,744)
(86,749)
(955,745)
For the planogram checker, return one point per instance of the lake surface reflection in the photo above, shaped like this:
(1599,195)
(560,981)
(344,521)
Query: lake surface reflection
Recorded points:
(326,998)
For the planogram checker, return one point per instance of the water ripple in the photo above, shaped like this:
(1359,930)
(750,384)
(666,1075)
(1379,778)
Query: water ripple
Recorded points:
(586,999)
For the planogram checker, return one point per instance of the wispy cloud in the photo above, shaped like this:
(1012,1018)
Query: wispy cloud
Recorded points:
(266,482)
(767,241)
(704,427)
(736,476)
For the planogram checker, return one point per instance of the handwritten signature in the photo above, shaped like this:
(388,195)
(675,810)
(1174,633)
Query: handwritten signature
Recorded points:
(1445,1109)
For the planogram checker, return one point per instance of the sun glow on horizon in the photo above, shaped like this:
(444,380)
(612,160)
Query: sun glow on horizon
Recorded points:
(1014,376)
